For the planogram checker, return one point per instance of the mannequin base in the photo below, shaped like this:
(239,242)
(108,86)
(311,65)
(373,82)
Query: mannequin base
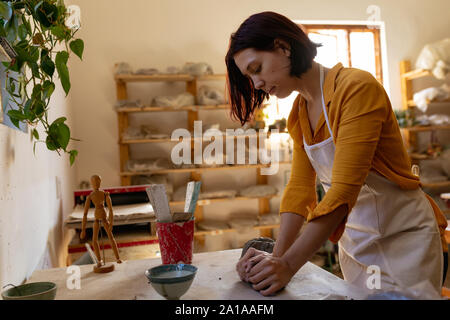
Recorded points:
(104,268)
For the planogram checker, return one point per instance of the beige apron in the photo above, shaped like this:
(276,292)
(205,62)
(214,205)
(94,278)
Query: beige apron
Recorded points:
(392,229)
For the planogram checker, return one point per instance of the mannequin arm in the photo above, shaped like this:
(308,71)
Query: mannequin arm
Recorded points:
(87,204)
(109,204)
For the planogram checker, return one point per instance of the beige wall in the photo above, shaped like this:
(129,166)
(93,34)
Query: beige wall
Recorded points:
(35,196)
(160,33)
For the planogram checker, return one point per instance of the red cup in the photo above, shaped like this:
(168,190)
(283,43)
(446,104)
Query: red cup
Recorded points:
(176,241)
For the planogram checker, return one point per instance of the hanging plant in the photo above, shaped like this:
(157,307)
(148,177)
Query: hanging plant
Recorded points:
(43,43)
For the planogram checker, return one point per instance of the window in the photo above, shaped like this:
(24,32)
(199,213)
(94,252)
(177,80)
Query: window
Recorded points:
(356,46)
(353,46)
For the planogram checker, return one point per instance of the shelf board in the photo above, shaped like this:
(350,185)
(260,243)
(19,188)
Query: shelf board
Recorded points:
(197,233)
(411,103)
(151,78)
(414,74)
(137,141)
(220,231)
(165,77)
(441,184)
(421,156)
(206,77)
(171,109)
(174,170)
(205,202)
(428,128)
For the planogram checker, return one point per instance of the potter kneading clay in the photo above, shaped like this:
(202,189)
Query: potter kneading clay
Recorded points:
(262,190)
(261,243)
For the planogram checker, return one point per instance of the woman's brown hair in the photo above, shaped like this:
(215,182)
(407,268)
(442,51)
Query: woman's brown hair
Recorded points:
(259,32)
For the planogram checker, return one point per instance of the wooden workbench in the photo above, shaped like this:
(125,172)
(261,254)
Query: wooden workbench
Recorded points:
(216,279)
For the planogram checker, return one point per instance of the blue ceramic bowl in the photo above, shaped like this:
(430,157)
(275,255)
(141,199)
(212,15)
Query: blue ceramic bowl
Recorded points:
(171,280)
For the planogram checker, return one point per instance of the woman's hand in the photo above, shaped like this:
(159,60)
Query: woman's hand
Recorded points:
(243,263)
(269,274)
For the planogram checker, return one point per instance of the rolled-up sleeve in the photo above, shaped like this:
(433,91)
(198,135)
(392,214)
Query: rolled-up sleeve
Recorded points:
(362,109)
(300,194)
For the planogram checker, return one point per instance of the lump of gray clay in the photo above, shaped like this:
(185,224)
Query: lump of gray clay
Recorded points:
(261,243)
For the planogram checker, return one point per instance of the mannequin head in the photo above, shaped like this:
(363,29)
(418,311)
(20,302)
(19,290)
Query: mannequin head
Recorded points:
(96,181)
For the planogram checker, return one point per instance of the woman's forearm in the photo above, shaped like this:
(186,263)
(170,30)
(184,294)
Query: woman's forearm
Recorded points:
(290,225)
(315,233)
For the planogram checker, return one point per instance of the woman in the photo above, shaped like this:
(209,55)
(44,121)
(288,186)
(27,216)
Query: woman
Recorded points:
(346,133)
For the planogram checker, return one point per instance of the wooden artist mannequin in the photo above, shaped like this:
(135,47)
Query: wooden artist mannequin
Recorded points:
(99,197)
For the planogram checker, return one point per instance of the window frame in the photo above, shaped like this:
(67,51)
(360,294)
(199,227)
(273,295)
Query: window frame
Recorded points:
(374,29)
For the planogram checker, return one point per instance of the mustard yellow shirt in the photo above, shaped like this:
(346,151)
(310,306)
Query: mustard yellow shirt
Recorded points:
(367,137)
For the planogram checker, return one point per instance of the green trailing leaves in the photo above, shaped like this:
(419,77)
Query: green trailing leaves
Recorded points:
(48,89)
(59,120)
(63,71)
(5,10)
(17,115)
(34,28)
(58,135)
(73,154)
(35,134)
(51,144)
(77,46)
(63,135)
(59,32)
(46,13)
(23,33)
(47,65)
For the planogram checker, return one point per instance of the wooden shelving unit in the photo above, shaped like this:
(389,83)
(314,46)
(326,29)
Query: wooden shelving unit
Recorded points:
(410,133)
(122,82)
(169,109)
(160,140)
(199,170)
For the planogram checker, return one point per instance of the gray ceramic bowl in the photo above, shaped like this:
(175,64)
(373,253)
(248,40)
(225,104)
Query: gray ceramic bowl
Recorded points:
(171,280)
(31,291)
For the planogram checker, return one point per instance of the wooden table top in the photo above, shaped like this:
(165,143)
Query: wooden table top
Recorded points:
(216,279)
